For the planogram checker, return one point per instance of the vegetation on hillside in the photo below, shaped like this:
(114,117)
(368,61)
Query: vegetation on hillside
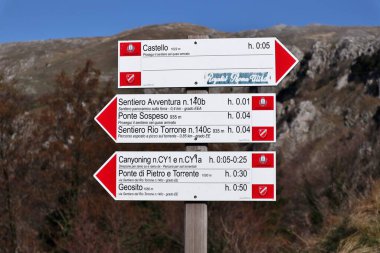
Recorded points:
(328,146)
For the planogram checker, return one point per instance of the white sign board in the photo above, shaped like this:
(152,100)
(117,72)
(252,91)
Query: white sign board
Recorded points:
(190,118)
(203,62)
(190,176)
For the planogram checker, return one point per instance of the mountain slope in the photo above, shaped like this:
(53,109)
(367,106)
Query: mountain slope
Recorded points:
(36,63)
(328,139)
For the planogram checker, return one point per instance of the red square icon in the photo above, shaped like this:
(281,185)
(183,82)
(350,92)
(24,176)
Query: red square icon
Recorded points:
(130,49)
(262,134)
(262,103)
(263,191)
(263,160)
(130,78)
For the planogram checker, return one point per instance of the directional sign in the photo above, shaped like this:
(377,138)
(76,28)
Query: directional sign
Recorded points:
(188,118)
(203,62)
(184,176)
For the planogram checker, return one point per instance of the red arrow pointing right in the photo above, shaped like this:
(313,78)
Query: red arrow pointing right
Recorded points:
(284,61)
(106,176)
(107,118)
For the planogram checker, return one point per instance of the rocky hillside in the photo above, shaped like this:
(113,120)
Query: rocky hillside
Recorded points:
(328,136)
(35,64)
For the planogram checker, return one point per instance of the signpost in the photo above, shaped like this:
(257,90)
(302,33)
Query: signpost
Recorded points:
(203,62)
(196,175)
(196,216)
(190,118)
(190,176)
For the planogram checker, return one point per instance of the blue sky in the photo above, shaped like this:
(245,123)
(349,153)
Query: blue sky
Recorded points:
(24,20)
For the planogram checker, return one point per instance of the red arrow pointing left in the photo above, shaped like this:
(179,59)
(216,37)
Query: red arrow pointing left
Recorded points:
(106,176)
(107,118)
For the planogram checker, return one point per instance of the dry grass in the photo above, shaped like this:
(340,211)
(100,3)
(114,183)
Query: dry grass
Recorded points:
(358,231)
(365,218)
